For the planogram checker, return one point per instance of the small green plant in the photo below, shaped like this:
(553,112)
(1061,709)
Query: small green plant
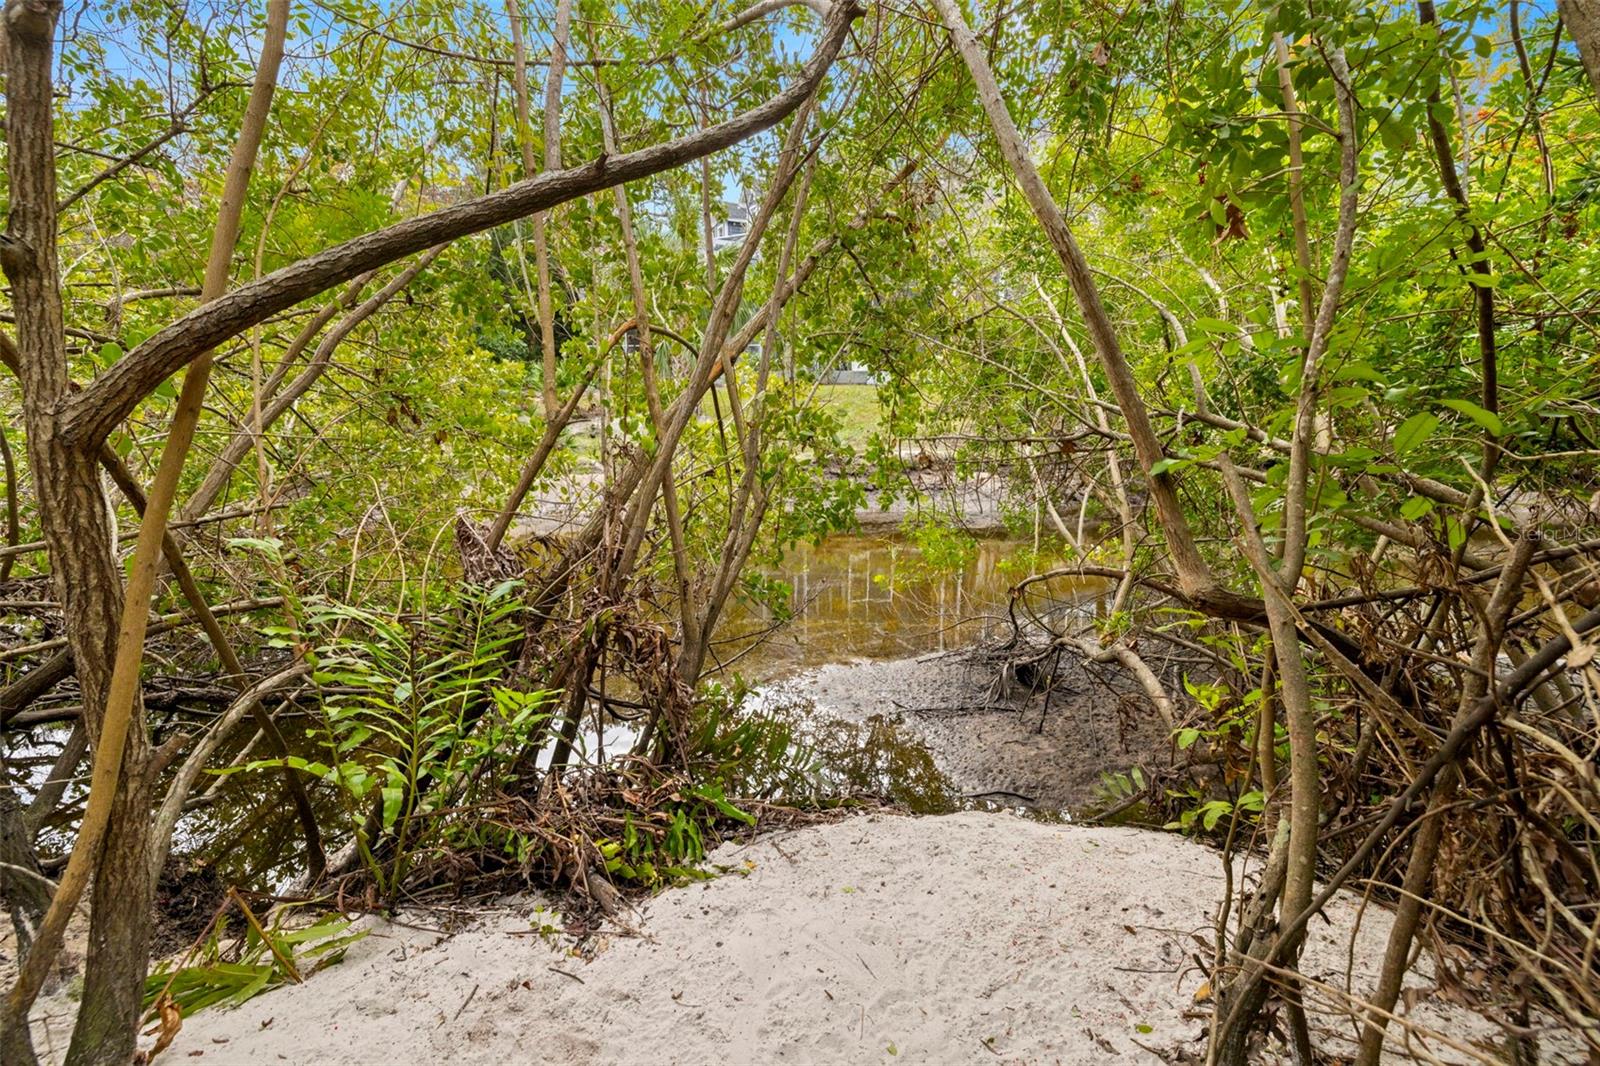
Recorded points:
(1205,814)
(669,843)
(1116,789)
(546,922)
(228,970)
(412,710)
(1226,723)
(729,754)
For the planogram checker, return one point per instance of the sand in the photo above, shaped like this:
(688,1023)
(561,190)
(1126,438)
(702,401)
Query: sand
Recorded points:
(973,937)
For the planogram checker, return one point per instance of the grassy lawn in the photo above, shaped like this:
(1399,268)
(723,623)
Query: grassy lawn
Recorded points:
(856,406)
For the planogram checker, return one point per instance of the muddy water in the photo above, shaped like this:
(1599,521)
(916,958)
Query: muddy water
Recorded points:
(876,598)
(866,667)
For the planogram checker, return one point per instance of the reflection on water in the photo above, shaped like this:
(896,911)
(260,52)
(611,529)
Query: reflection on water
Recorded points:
(880,756)
(865,597)
(876,758)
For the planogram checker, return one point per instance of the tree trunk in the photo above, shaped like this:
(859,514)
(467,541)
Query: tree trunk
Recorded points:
(647,357)
(114,839)
(75,520)
(1582,19)
(113,993)
(552,161)
(1194,576)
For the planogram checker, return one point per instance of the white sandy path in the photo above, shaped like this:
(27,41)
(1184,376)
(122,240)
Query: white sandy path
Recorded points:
(967,938)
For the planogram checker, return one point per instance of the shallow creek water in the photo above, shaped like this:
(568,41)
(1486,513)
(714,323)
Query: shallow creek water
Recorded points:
(873,597)
(867,643)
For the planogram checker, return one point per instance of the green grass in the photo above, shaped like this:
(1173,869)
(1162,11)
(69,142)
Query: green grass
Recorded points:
(856,406)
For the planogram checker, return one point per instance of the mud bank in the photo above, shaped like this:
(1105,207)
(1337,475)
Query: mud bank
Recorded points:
(968,938)
(976,504)
(991,740)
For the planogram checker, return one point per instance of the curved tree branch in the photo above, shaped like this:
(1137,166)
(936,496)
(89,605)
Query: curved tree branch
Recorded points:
(90,416)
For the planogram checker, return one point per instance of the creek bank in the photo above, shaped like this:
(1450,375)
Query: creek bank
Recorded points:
(990,738)
(973,937)
(976,503)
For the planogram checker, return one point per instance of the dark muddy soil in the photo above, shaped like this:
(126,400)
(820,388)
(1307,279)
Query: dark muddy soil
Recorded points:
(994,739)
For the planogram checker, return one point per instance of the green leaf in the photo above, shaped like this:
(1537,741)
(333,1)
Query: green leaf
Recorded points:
(1397,136)
(271,547)
(1413,431)
(1345,396)
(1357,371)
(1415,508)
(1487,419)
(392,795)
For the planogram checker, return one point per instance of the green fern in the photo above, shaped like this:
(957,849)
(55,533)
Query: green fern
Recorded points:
(410,710)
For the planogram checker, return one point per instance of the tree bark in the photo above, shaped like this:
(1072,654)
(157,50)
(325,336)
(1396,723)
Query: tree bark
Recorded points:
(552,161)
(74,518)
(1582,20)
(13,523)
(1297,171)
(114,835)
(1296,694)
(1279,585)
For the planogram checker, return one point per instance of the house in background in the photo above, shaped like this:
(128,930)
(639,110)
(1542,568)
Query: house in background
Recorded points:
(852,373)
(731,228)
